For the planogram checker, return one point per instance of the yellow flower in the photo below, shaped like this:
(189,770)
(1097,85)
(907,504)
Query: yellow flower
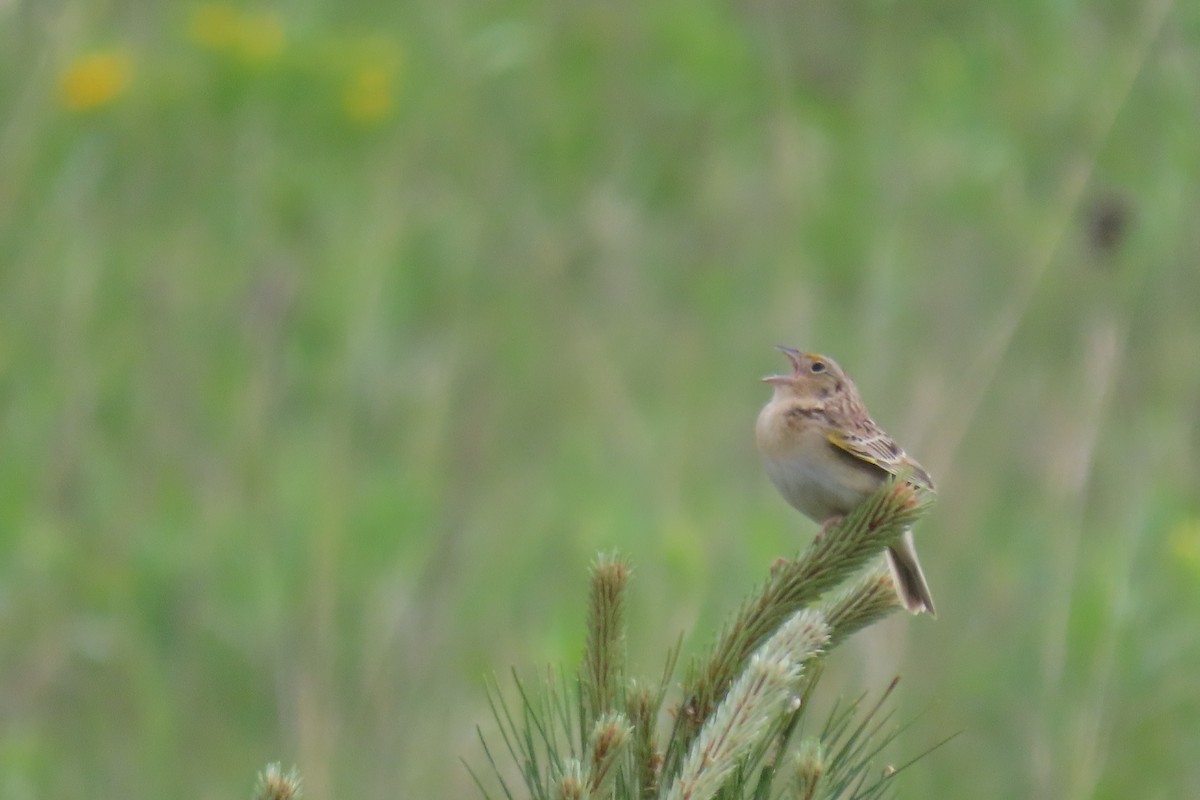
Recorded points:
(260,39)
(369,94)
(1183,542)
(214,25)
(255,38)
(95,80)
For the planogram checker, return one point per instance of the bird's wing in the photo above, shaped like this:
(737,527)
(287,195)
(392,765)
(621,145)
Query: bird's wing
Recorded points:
(876,447)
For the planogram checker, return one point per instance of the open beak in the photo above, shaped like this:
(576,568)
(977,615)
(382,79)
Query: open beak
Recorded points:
(792,354)
(794,357)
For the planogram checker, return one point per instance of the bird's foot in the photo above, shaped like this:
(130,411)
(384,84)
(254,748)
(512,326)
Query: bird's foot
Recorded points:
(827,524)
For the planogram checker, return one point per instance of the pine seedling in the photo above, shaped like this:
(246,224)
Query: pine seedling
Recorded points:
(572,784)
(642,708)
(843,549)
(275,784)
(603,669)
(868,600)
(754,703)
(739,730)
(809,767)
(605,749)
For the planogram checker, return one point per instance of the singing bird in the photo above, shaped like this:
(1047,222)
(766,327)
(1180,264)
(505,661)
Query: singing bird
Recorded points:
(825,455)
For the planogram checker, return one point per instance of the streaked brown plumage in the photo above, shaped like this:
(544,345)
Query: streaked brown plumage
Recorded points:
(825,454)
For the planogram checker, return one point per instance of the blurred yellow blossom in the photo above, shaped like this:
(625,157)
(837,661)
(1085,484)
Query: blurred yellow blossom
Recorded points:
(261,38)
(369,94)
(1183,542)
(95,79)
(253,37)
(214,25)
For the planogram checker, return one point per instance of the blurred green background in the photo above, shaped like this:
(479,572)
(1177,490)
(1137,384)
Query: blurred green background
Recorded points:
(336,338)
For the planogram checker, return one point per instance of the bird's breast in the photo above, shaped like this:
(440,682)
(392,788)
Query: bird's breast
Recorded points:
(812,475)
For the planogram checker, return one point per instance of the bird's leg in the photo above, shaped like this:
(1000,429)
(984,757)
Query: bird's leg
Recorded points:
(827,524)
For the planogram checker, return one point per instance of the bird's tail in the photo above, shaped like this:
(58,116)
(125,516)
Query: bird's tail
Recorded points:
(910,580)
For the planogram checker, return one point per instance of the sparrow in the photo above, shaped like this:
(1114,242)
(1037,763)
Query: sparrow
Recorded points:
(825,455)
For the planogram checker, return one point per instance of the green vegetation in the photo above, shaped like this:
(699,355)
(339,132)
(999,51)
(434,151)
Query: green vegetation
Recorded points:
(733,731)
(337,338)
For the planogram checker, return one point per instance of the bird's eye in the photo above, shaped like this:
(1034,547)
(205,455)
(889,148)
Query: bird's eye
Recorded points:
(817,366)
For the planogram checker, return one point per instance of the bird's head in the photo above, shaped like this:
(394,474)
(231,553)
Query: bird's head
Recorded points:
(814,378)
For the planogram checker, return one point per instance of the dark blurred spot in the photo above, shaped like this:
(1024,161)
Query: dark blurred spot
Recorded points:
(1109,219)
